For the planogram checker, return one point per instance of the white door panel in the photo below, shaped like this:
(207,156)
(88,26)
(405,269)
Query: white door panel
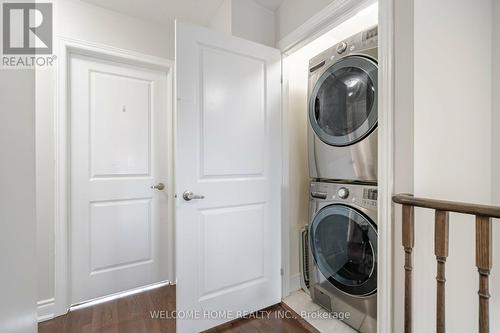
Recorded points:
(118,152)
(126,225)
(231,81)
(119,145)
(228,248)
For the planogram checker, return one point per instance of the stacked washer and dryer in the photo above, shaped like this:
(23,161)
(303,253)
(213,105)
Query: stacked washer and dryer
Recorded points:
(342,142)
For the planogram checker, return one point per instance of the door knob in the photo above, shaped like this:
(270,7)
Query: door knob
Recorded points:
(188,196)
(159,187)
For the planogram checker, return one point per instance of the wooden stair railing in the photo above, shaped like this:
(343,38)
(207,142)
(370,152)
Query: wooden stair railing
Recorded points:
(483,214)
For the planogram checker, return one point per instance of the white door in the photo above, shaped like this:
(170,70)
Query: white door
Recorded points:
(228,154)
(119,151)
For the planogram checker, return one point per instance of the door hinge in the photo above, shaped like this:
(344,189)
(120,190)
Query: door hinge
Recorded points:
(282,272)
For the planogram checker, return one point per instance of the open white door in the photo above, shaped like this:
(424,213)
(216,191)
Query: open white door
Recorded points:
(228,177)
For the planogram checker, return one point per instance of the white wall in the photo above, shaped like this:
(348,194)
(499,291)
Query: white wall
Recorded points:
(495,151)
(45,183)
(79,20)
(17,201)
(293,13)
(246,19)
(76,19)
(253,22)
(452,146)
(296,69)
(221,20)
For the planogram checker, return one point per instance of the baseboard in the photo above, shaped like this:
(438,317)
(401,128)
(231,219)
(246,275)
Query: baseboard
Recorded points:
(294,284)
(45,309)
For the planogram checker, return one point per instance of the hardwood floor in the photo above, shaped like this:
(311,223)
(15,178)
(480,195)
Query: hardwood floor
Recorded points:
(132,314)
(277,318)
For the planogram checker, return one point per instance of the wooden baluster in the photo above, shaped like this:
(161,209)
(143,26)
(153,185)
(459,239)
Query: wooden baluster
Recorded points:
(483,263)
(408,243)
(441,232)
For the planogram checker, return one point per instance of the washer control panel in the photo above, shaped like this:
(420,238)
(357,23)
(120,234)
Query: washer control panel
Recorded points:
(343,193)
(370,197)
(358,194)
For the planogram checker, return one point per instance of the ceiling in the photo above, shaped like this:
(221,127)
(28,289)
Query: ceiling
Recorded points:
(165,11)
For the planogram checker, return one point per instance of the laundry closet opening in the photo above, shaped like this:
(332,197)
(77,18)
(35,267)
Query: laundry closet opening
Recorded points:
(323,167)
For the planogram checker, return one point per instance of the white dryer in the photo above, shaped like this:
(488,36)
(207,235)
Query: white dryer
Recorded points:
(343,113)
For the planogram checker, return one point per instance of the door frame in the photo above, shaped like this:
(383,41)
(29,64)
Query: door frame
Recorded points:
(66,49)
(331,16)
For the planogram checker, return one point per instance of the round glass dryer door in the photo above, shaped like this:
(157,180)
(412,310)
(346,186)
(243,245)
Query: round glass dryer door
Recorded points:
(344,246)
(343,103)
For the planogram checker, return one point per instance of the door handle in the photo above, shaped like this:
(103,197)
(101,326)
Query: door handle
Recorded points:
(159,187)
(188,196)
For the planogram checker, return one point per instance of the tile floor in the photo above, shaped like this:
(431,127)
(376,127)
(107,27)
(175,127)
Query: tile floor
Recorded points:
(301,303)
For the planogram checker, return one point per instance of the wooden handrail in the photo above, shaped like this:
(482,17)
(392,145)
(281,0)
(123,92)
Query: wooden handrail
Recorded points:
(448,206)
(483,214)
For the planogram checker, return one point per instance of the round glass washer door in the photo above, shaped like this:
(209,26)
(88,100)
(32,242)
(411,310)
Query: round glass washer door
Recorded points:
(344,247)
(343,104)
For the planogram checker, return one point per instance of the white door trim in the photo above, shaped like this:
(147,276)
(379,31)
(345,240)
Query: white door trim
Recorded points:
(385,165)
(66,48)
(331,16)
(285,186)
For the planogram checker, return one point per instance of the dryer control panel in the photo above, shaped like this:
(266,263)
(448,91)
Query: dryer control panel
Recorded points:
(365,42)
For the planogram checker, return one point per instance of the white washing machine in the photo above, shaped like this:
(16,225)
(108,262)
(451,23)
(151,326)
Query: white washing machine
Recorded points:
(343,113)
(343,252)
